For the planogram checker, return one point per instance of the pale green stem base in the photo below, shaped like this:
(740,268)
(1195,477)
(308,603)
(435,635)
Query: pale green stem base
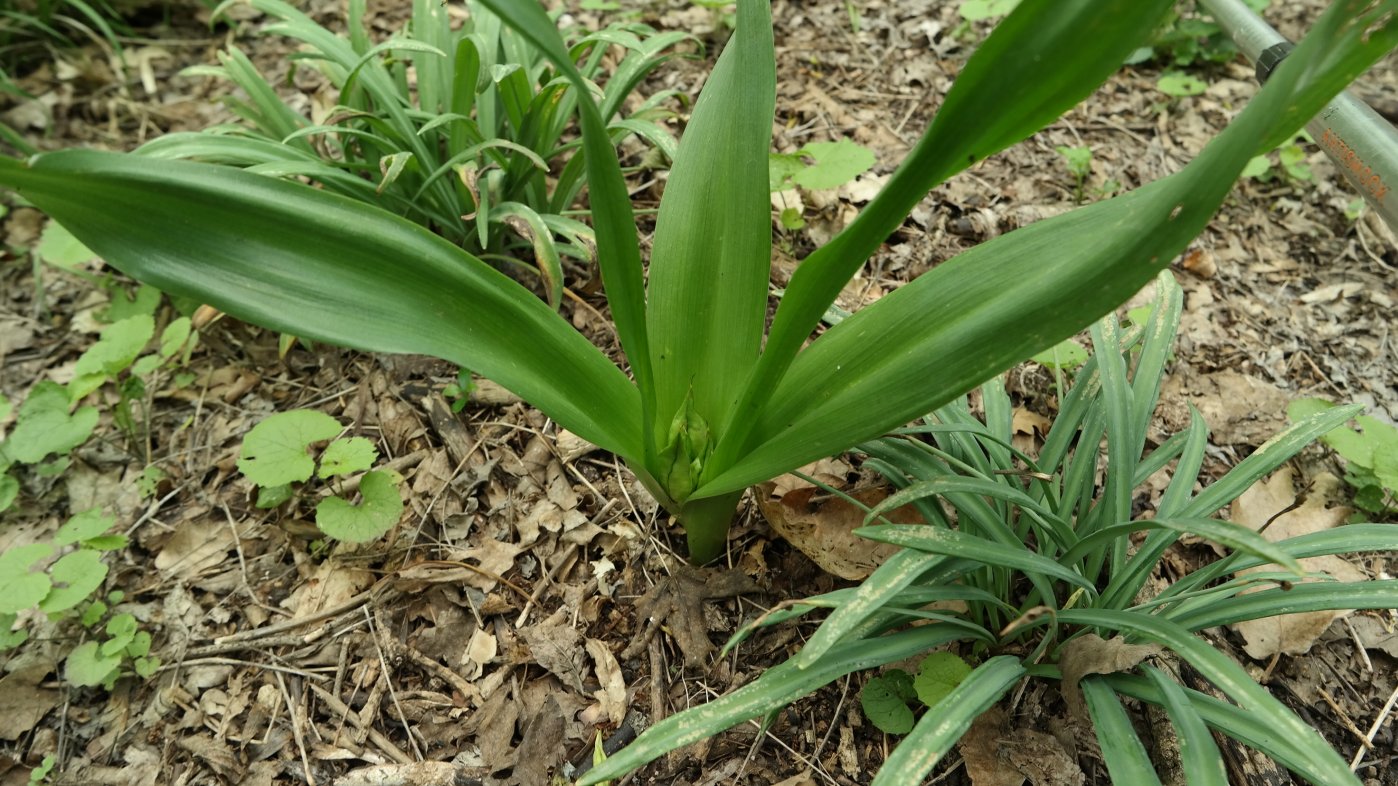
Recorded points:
(706,523)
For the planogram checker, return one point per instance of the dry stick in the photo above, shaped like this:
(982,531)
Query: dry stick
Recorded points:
(375,736)
(1374,731)
(374,632)
(301,622)
(460,683)
(1345,719)
(296,729)
(1358,645)
(238,662)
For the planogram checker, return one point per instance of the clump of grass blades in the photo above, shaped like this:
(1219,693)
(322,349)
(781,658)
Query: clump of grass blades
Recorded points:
(28,28)
(1040,554)
(462,131)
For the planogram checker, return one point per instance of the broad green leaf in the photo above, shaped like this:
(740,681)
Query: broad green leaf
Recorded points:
(76,576)
(121,342)
(272,496)
(274,451)
(341,272)
(21,588)
(121,631)
(781,167)
(938,675)
(977,10)
(174,337)
(1000,98)
(1180,84)
(1066,354)
(885,701)
(835,163)
(346,457)
(943,724)
(9,637)
(44,425)
(1028,289)
(87,667)
(373,516)
(712,256)
(59,248)
(84,526)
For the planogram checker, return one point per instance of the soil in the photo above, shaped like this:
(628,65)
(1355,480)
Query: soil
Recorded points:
(514,615)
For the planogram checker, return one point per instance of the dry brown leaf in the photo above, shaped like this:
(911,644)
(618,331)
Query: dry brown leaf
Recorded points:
(22,702)
(493,557)
(329,585)
(196,546)
(1374,634)
(480,651)
(612,695)
(980,750)
(558,647)
(822,527)
(1239,409)
(799,779)
(1092,654)
(1041,758)
(539,749)
(1292,634)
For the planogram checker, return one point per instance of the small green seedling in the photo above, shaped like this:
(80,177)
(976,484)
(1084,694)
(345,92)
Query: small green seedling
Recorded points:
(1370,453)
(459,392)
(1185,39)
(1178,84)
(1291,162)
(99,662)
(275,458)
(41,773)
(63,586)
(1079,163)
(886,699)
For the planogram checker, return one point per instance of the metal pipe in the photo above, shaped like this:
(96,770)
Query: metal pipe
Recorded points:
(1359,140)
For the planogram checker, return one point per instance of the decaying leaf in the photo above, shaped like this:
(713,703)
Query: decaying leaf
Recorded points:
(1240,410)
(1092,654)
(822,525)
(676,603)
(997,755)
(196,546)
(980,751)
(23,703)
(558,647)
(1292,634)
(611,697)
